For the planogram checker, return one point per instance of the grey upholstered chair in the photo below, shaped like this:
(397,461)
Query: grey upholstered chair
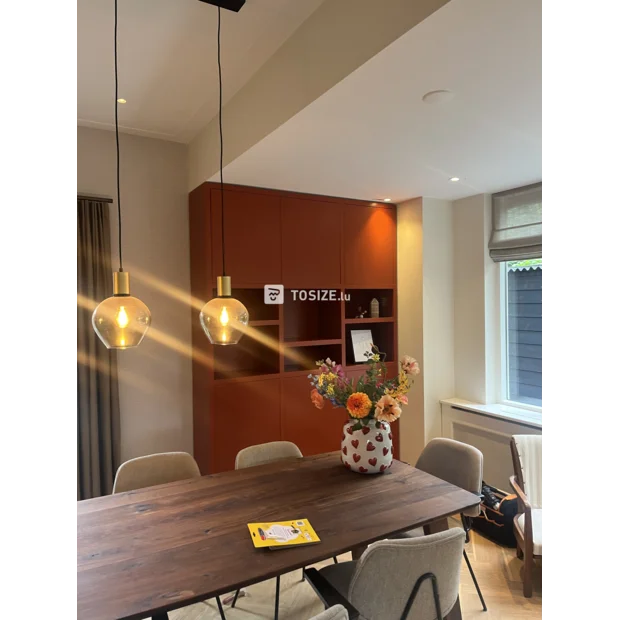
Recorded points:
(461,465)
(389,581)
(337,612)
(154,469)
(147,471)
(527,484)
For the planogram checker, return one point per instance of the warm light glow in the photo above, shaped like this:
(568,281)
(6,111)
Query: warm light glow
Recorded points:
(122,320)
(455,179)
(123,343)
(224,318)
(122,100)
(387,200)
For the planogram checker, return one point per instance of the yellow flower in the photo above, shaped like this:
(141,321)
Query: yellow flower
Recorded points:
(330,391)
(358,405)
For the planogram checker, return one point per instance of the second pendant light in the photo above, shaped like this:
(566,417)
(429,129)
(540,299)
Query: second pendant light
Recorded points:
(223,318)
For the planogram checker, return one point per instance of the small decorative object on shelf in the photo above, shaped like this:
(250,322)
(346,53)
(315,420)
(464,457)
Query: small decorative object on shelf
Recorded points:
(372,401)
(374,308)
(360,313)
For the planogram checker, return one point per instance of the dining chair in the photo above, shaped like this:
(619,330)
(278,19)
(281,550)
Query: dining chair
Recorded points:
(154,469)
(337,612)
(389,581)
(461,465)
(261,454)
(527,484)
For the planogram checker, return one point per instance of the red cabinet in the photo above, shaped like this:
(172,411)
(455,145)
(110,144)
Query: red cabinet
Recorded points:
(253,237)
(369,241)
(311,242)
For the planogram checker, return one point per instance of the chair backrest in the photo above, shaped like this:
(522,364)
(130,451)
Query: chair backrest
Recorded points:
(266,453)
(337,612)
(527,460)
(147,471)
(455,462)
(388,570)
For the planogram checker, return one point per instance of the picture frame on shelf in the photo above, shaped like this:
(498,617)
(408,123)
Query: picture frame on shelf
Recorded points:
(362,342)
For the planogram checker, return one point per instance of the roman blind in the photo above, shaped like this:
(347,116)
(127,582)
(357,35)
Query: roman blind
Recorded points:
(517,224)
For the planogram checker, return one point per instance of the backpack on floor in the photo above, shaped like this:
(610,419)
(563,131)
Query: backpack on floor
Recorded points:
(497,512)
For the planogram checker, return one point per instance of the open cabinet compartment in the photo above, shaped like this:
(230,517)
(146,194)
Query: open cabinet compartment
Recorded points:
(257,353)
(305,358)
(357,298)
(382,337)
(311,320)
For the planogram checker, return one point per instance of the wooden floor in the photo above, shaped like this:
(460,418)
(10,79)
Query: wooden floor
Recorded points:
(497,570)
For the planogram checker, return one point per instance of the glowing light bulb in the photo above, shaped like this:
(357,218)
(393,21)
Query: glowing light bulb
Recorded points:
(224,318)
(224,337)
(122,320)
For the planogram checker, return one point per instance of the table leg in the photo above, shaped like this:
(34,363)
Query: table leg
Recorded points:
(356,552)
(434,528)
(161,616)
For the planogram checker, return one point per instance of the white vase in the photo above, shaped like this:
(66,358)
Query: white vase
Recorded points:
(368,450)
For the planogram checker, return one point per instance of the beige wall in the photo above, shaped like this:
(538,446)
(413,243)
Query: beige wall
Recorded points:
(154,379)
(476,324)
(410,321)
(438,311)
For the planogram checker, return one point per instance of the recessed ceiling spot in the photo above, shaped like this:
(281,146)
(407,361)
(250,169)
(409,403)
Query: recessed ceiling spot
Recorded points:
(438,96)
(454,179)
(387,200)
(122,100)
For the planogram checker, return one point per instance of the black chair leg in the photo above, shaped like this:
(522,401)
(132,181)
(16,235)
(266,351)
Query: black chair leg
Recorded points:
(335,560)
(471,572)
(219,606)
(275,616)
(234,602)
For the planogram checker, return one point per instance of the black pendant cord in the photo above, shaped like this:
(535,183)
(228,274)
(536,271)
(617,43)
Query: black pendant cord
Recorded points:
(219,68)
(118,150)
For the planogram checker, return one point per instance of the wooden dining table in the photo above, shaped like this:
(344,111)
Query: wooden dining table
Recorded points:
(146,552)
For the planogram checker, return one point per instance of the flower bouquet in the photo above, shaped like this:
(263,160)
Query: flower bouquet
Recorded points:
(372,402)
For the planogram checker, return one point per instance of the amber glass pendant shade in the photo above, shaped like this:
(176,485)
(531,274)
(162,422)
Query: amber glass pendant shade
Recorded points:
(121,321)
(224,318)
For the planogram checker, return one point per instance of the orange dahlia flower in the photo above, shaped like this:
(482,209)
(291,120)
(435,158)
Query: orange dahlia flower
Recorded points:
(358,405)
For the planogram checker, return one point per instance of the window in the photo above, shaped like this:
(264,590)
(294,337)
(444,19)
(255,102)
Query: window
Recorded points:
(522,312)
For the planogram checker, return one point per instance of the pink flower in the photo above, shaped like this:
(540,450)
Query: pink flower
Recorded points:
(402,399)
(317,399)
(410,365)
(387,409)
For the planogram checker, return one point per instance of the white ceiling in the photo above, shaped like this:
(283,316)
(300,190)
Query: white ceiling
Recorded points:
(371,136)
(168,59)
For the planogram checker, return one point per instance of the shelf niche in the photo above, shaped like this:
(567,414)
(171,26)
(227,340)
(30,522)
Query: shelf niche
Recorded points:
(311,320)
(362,297)
(305,358)
(382,337)
(255,354)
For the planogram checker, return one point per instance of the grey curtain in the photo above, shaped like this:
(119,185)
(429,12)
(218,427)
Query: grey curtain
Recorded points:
(98,448)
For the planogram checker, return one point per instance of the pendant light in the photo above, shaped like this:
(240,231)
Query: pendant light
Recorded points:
(120,321)
(224,317)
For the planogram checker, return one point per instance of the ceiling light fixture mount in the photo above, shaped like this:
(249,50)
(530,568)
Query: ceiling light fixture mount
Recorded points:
(231,5)
(120,321)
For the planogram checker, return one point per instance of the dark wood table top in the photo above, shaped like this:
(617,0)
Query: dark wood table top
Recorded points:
(172,545)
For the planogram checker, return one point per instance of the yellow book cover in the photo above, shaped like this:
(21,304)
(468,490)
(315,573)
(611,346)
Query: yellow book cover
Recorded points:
(283,534)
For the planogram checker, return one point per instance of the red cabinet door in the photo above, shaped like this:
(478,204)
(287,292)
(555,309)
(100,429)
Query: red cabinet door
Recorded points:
(369,241)
(253,237)
(243,413)
(311,241)
(313,430)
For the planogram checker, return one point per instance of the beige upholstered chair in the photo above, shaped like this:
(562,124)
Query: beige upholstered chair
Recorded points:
(337,612)
(154,469)
(527,484)
(147,471)
(461,465)
(389,581)
(266,453)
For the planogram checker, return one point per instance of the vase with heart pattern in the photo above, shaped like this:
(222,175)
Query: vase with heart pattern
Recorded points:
(369,449)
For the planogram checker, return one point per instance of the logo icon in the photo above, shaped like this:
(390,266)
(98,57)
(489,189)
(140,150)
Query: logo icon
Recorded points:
(274,293)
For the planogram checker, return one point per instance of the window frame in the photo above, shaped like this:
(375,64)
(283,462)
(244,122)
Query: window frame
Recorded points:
(503,342)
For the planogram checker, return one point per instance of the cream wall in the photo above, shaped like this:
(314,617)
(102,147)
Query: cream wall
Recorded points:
(155,380)
(438,311)
(476,300)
